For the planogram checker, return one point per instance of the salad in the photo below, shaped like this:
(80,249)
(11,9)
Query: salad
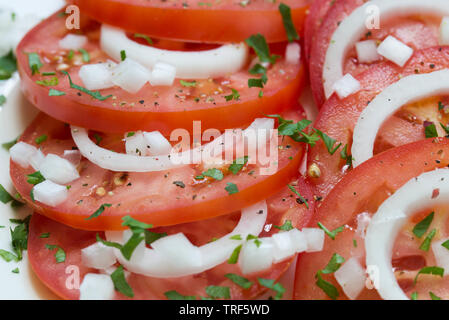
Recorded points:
(189,150)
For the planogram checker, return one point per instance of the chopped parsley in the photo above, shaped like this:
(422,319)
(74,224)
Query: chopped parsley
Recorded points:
(345,156)
(150,236)
(214,173)
(16,270)
(328,142)
(436,271)
(60,253)
(445,244)
(287,226)
(331,234)
(270,284)
(218,292)
(329,289)
(260,47)
(235,95)
(414,296)
(238,280)
(34,62)
(143,36)
(5,197)
(35,178)
(421,227)
(187,83)
(2,100)
(238,164)
(41,139)
(123,55)
(235,255)
(431,131)
(425,245)
(9,145)
(55,93)
(86,56)
(53,81)
(292,189)
(175,295)
(94,94)
(288,23)
(8,65)
(7,256)
(231,188)
(99,211)
(433,296)
(334,264)
(120,283)
(44,235)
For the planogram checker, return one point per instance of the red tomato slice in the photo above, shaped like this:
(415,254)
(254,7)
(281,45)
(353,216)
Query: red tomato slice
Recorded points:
(416,32)
(363,190)
(160,198)
(281,207)
(161,108)
(196,20)
(338,117)
(316,15)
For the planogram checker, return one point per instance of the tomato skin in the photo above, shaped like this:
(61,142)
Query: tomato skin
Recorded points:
(196,23)
(54,275)
(363,190)
(152,197)
(338,117)
(161,109)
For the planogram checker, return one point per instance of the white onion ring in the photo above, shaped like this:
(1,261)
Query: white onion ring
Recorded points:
(151,263)
(390,100)
(352,28)
(391,216)
(218,62)
(119,162)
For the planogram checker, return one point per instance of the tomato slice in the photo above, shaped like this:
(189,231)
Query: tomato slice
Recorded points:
(416,32)
(363,190)
(160,198)
(161,108)
(338,117)
(196,20)
(281,207)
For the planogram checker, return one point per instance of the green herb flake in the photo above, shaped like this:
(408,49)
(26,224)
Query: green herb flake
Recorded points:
(329,289)
(86,56)
(260,46)
(7,256)
(120,283)
(414,296)
(433,296)
(436,271)
(55,93)
(9,145)
(60,255)
(45,235)
(328,142)
(143,36)
(218,292)
(8,65)
(99,211)
(2,100)
(34,62)
(41,139)
(123,55)
(134,224)
(94,94)
(53,81)
(187,83)
(214,173)
(235,95)
(421,227)
(5,197)
(288,23)
(238,164)
(425,245)
(238,280)
(150,236)
(331,234)
(287,226)
(334,264)
(239,237)
(108,243)
(292,189)
(431,131)
(231,188)
(16,270)
(174,295)
(35,178)
(270,284)
(235,255)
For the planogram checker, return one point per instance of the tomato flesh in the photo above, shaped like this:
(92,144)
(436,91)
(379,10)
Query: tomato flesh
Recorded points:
(281,207)
(417,32)
(160,198)
(363,190)
(196,20)
(338,117)
(162,108)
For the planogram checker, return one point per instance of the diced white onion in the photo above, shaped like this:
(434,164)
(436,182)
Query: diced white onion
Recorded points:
(157,143)
(97,76)
(204,64)
(170,256)
(367,51)
(254,258)
(293,53)
(36,159)
(299,240)
(346,86)
(130,75)
(98,256)
(351,277)
(136,144)
(441,255)
(58,170)
(385,104)
(283,246)
(50,193)
(72,42)
(363,220)
(21,153)
(97,287)
(73,156)
(315,239)
(163,74)
(353,27)
(119,162)
(444,32)
(394,50)
(392,214)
